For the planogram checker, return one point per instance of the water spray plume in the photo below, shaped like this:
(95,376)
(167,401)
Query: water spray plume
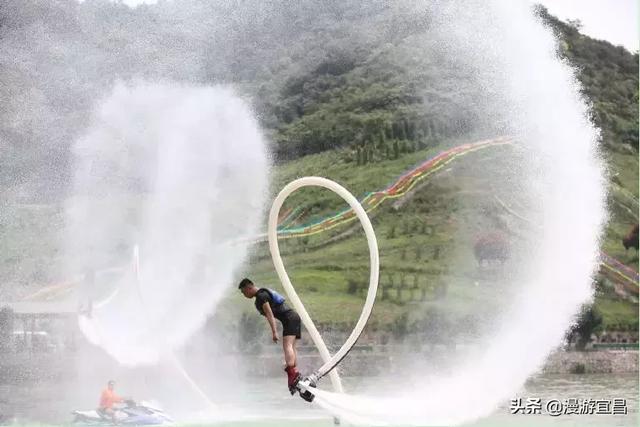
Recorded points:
(183,171)
(536,95)
(180,170)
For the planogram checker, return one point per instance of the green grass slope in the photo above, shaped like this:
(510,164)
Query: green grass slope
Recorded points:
(425,242)
(359,110)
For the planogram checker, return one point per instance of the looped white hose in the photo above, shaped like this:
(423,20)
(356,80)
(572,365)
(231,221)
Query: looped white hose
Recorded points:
(136,270)
(329,361)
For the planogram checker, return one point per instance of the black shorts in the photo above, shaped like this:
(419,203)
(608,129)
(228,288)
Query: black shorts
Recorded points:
(290,324)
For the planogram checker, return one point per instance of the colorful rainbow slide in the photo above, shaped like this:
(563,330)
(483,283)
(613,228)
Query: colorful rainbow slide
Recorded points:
(399,188)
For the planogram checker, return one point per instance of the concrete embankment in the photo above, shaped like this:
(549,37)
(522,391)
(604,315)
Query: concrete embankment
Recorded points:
(378,363)
(596,362)
(374,361)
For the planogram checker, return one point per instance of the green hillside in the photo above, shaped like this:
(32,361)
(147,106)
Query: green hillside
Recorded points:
(356,98)
(419,240)
(426,244)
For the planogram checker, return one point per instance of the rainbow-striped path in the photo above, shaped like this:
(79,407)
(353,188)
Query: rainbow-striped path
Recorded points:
(614,269)
(399,188)
(609,266)
(620,273)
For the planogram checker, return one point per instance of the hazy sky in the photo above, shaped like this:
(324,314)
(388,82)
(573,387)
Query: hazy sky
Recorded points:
(612,20)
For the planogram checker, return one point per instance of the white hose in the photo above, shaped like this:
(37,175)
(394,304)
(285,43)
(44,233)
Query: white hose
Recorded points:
(136,271)
(329,361)
(107,300)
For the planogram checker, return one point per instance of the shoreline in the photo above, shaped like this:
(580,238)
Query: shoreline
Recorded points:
(374,363)
(370,361)
(604,361)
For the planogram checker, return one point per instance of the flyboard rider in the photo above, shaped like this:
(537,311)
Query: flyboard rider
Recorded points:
(272,306)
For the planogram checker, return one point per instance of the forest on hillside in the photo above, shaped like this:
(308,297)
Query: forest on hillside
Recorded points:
(609,77)
(320,76)
(370,85)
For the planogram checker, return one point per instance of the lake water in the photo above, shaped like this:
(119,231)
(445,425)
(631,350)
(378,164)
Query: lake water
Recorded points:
(267,404)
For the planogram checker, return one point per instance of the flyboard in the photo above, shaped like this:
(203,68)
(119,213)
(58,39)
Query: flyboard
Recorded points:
(306,385)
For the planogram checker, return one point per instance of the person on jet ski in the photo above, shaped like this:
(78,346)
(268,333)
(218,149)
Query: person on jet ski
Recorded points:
(272,306)
(108,398)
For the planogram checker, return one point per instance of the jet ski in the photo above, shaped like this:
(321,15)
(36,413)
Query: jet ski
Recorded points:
(132,413)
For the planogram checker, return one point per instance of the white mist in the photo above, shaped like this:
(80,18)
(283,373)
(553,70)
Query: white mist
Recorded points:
(533,96)
(182,172)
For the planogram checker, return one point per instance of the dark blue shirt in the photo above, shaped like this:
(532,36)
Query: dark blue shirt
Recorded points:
(279,310)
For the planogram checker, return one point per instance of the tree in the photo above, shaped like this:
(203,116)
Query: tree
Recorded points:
(403,132)
(389,131)
(392,232)
(414,285)
(589,322)
(396,149)
(429,129)
(352,287)
(390,279)
(385,292)
(382,140)
(400,326)
(407,131)
(576,24)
